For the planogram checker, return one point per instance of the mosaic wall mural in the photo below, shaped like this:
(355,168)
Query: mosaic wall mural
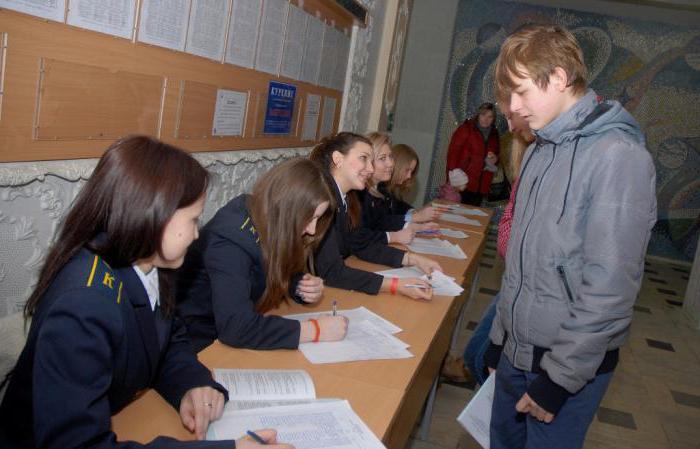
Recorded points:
(653,69)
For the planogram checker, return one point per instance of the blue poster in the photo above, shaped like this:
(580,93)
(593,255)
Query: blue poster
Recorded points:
(280,107)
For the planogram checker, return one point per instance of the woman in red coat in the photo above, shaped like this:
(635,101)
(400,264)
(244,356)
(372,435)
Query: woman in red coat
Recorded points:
(474,148)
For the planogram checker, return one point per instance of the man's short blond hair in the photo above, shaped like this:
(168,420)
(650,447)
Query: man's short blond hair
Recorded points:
(534,51)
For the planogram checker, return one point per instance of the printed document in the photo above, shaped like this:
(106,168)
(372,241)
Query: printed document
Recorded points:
(255,388)
(454,218)
(476,416)
(354,315)
(459,209)
(443,285)
(437,247)
(330,425)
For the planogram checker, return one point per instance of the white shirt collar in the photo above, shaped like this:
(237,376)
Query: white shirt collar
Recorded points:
(342,195)
(150,283)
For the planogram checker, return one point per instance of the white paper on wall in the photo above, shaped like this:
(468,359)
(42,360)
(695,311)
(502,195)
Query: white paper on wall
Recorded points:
(270,40)
(164,23)
(115,17)
(243,32)
(328,116)
(293,49)
(313,45)
(48,9)
(328,57)
(206,33)
(312,109)
(229,113)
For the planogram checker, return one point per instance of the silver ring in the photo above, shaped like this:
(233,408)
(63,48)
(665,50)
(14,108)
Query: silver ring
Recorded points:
(208,404)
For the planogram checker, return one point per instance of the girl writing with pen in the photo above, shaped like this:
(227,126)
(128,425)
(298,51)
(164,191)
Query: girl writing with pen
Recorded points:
(254,254)
(346,159)
(103,326)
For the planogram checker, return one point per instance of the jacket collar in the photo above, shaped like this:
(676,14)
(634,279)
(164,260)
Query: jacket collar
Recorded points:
(568,123)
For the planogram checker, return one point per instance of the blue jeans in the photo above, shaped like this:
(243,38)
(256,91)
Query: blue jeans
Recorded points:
(513,430)
(479,343)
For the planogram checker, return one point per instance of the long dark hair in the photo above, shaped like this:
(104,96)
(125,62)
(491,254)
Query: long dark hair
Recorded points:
(281,205)
(322,153)
(121,212)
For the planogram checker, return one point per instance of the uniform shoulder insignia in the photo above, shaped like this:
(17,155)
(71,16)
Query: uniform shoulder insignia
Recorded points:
(248,226)
(102,276)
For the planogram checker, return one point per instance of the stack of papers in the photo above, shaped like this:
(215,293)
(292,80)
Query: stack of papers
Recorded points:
(459,209)
(454,218)
(443,285)
(369,337)
(437,247)
(447,232)
(329,424)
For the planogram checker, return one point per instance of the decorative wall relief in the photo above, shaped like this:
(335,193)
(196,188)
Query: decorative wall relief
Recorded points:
(653,69)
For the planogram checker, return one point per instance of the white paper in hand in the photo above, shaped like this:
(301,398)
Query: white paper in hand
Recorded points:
(476,416)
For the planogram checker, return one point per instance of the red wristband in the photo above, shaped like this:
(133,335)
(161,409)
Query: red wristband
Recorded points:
(318,330)
(394,285)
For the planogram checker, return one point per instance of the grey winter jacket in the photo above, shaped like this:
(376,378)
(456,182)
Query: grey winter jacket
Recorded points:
(583,214)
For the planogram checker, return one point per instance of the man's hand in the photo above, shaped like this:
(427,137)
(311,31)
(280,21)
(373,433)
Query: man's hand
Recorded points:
(527,405)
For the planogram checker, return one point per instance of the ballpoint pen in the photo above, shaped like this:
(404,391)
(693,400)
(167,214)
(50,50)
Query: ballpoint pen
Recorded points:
(335,307)
(256,437)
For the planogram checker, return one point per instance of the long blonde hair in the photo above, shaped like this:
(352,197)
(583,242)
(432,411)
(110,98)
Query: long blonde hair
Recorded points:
(377,140)
(403,156)
(281,205)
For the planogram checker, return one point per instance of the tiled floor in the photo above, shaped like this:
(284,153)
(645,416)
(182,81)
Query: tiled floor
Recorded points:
(653,401)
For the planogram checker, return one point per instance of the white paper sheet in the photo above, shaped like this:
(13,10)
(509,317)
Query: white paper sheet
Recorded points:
(272,28)
(207,30)
(164,23)
(229,113)
(436,247)
(364,341)
(341,62)
(330,425)
(115,17)
(354,315)
(328,116)
(443,285)
(48,9)
(453,233)
(454,218)
(266,385)
(329,53)
(476,416)
(457,209)
(312,109)
(313,44)
(293,50)
(243,32)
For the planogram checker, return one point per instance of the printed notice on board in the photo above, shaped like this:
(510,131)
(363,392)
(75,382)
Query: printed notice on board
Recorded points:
(106,16)
(48,9)
(328,57)
(313,42)
(293,50)
(164,23)
(272,30)
(311,113)
(229,113)
(243,32)
(328,116)
(280,108)
(205,35)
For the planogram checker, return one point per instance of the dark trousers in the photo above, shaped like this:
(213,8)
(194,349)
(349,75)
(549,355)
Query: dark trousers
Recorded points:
(471,198)
(513,430)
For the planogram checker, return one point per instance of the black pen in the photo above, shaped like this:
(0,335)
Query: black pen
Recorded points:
(256,437)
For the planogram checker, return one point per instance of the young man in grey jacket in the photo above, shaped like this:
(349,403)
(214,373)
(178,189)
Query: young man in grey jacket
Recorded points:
(583,214)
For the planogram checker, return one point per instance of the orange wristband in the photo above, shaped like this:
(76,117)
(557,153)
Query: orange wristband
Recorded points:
(394,285)
(318,330)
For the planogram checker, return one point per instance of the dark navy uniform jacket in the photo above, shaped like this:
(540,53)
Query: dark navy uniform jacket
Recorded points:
(93,345)
(223,277)
(340,242)
(377,212)
(396,206)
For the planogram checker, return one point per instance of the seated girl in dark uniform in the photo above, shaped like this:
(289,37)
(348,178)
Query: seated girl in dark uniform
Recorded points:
(347,161)
(254,254)
(102,325)
(378,204)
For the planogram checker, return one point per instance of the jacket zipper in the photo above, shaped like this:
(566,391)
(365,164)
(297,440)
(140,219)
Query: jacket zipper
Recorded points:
(562,275)
(522,244)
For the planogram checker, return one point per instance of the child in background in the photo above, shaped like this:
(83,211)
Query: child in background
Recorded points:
(456,184)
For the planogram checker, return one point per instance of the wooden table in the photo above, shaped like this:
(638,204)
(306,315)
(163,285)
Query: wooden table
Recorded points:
(387,394)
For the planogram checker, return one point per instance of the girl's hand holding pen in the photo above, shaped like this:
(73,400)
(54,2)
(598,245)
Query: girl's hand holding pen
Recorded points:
(415,288)
(268,436)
